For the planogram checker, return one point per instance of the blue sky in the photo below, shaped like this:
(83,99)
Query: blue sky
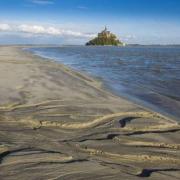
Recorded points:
(76,21)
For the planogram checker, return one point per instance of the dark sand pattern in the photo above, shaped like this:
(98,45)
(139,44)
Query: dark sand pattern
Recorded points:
(59,124)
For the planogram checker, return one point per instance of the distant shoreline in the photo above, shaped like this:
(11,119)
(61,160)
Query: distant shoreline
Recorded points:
(56,45)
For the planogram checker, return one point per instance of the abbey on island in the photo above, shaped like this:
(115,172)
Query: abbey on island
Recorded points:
(105,38)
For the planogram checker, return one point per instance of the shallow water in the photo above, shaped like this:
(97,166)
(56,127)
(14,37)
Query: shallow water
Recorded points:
(146,75)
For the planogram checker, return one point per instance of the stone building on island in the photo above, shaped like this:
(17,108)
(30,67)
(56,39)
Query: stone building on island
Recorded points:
(105,38)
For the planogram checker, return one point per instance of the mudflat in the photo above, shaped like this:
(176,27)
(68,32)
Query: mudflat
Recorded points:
(56,123)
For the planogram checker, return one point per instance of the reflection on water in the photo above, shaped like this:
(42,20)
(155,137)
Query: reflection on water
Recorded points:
(144,74)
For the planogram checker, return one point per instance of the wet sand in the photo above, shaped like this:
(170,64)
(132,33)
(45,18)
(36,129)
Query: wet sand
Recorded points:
(56,123)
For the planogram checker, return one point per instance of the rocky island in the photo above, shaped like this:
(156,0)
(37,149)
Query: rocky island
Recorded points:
(105,38)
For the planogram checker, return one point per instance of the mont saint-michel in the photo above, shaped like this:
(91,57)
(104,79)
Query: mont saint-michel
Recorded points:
(105,38)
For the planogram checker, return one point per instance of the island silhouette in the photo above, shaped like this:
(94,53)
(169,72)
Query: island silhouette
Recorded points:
(105,38)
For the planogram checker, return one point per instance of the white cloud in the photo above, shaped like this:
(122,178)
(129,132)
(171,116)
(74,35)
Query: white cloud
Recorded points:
(128,38)
(31,29)
(5,27)
(44,30)
(78,34)
(42,2)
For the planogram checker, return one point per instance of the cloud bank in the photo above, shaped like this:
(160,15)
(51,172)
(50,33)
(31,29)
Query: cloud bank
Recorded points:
(5,27)
(43,31)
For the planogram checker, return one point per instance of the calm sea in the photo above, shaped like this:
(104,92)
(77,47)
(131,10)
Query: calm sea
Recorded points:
(149,76)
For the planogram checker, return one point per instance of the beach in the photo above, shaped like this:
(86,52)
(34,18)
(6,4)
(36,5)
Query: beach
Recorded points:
(57,123)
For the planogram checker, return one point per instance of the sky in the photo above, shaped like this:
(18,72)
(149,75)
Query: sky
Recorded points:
(77,21)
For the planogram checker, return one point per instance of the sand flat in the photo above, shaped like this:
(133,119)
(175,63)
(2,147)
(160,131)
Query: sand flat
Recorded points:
(56,123)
